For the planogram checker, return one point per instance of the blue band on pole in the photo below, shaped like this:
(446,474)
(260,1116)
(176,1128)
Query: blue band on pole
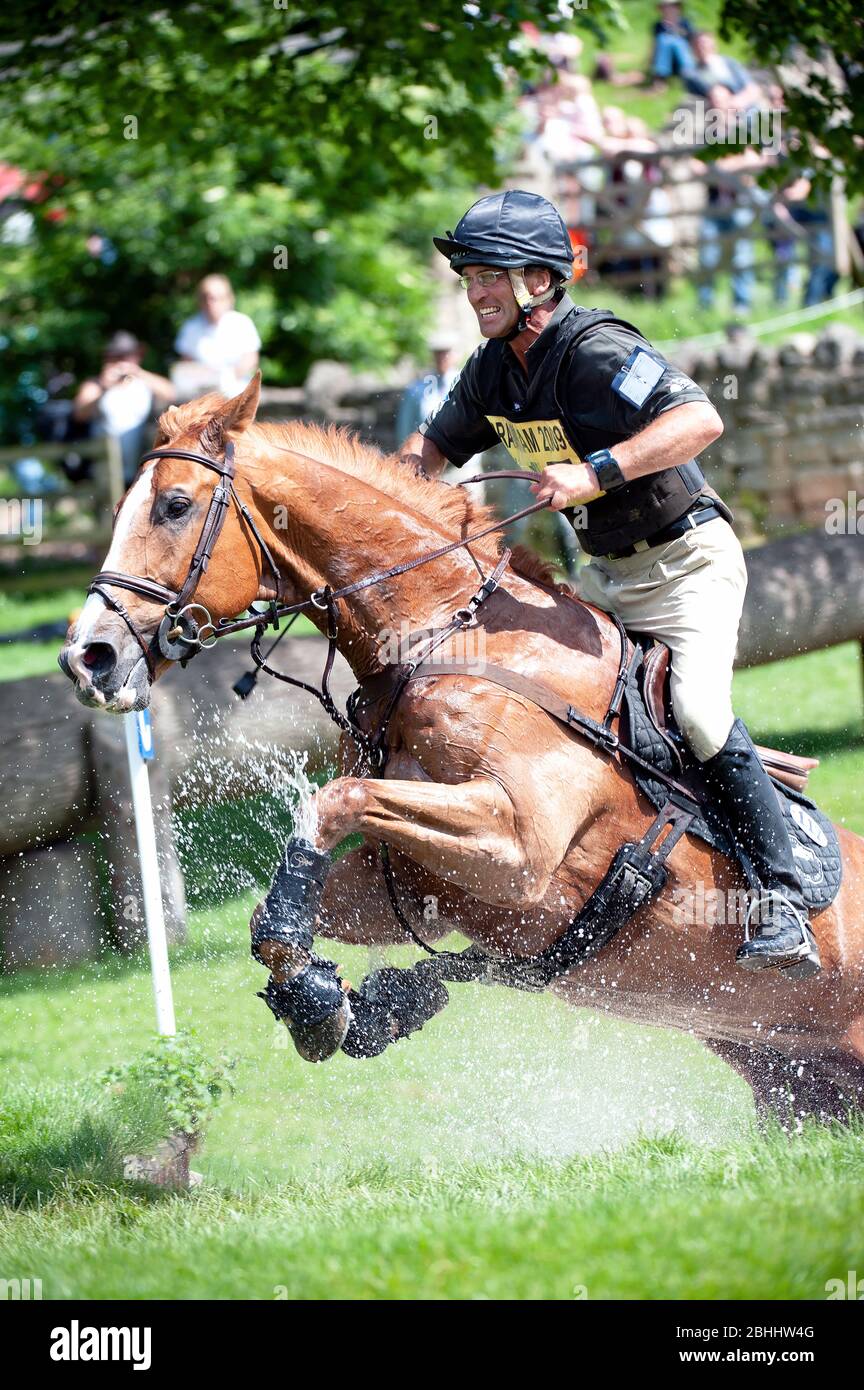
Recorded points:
(144,725)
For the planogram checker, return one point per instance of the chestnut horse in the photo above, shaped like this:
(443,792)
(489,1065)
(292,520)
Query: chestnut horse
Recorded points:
(504,817)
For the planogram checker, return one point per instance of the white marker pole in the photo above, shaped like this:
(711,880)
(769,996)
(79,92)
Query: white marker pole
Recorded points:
(139,748)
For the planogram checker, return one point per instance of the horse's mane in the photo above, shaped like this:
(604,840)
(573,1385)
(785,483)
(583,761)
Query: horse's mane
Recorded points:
(338,446)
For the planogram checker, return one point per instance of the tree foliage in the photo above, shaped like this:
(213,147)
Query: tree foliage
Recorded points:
(825,38)
(307,151)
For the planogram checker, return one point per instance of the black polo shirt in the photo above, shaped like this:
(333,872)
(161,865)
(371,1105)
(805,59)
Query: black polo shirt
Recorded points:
(607,388)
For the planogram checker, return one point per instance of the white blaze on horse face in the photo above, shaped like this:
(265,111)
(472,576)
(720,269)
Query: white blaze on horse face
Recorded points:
(94,609)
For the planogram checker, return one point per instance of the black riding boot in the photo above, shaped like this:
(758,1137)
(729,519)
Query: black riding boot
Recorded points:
(744,791)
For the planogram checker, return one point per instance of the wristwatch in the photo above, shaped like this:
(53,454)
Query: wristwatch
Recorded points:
(605,465)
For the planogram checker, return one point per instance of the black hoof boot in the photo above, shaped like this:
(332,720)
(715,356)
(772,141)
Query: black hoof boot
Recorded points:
(782,939)
(313,1007)
(389,1005)
(291,906)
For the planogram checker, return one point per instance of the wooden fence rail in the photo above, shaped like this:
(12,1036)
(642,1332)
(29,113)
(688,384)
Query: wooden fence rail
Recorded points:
(661,216)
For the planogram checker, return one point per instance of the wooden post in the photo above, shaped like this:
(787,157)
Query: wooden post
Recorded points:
(114,466)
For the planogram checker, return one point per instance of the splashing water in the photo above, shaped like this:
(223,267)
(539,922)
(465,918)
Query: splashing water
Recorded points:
(297,784)
(239,800)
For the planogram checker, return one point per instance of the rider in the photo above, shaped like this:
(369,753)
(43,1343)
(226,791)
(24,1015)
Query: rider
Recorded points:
(612,428)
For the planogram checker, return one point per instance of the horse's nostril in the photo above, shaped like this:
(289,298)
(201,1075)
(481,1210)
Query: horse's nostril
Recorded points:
(100,658)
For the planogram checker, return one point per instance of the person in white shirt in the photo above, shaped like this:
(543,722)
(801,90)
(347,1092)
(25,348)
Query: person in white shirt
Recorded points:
(220,344)
(427,392)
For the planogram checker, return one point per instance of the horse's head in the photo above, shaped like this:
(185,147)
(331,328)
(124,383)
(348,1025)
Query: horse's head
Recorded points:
(113,651)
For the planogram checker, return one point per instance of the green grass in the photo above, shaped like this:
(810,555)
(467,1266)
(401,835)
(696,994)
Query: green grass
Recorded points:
(661,1219)
(814,705)
(515,1149)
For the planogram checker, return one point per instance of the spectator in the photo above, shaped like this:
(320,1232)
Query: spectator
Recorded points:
(734,199)
(673,38)
(220,344)
(122,398)
(723,82)
(785,236)
(425,394)
(810,211)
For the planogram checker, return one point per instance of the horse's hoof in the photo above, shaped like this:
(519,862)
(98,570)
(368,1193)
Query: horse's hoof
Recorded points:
(317,1041)
(313,1007)
(389,1005)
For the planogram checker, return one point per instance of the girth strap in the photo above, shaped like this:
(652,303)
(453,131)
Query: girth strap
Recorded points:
(636,875)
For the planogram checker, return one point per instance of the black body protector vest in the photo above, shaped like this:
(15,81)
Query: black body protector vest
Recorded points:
(555,434)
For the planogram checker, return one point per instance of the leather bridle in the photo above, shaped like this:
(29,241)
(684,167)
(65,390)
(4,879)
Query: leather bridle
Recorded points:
(180,635)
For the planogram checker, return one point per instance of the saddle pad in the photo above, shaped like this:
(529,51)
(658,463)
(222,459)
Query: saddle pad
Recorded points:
(814,839)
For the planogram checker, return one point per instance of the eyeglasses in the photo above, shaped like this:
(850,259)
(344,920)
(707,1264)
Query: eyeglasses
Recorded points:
(484,279)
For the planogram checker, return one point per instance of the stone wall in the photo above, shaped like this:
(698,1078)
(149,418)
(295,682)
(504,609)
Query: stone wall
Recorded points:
(794,418)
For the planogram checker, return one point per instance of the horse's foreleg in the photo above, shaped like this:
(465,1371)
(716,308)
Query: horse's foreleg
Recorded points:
(355,908)
(468,834)
(305,992)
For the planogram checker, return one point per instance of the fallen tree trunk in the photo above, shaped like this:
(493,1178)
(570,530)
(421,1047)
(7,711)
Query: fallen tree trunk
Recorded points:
(803,593)
(63,772)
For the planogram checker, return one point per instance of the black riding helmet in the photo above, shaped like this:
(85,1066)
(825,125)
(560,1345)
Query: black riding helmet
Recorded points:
(512,230)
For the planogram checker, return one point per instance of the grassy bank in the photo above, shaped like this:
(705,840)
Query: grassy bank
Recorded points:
(515,1149)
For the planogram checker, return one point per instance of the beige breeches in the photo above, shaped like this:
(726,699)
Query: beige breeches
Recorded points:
(689,593)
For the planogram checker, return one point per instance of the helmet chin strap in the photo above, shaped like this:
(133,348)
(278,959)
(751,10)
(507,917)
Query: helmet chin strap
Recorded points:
(528,301)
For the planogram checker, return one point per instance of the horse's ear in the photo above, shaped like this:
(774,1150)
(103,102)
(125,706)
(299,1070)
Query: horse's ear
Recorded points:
(241,411)
(233,417)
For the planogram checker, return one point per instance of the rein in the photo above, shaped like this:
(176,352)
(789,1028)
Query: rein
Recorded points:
(180,636)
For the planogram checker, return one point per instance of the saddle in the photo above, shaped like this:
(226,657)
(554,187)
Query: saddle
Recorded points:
(788,768)
(650,730)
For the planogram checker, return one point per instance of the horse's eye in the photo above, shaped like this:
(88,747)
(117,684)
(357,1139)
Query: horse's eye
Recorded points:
(177,507)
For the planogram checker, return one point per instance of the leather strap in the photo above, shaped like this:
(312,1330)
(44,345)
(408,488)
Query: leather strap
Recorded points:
(220,501)
(117,607)
(213,523)
(226,468)
(146,588)
(530,689)
(696,516)
(600,734)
